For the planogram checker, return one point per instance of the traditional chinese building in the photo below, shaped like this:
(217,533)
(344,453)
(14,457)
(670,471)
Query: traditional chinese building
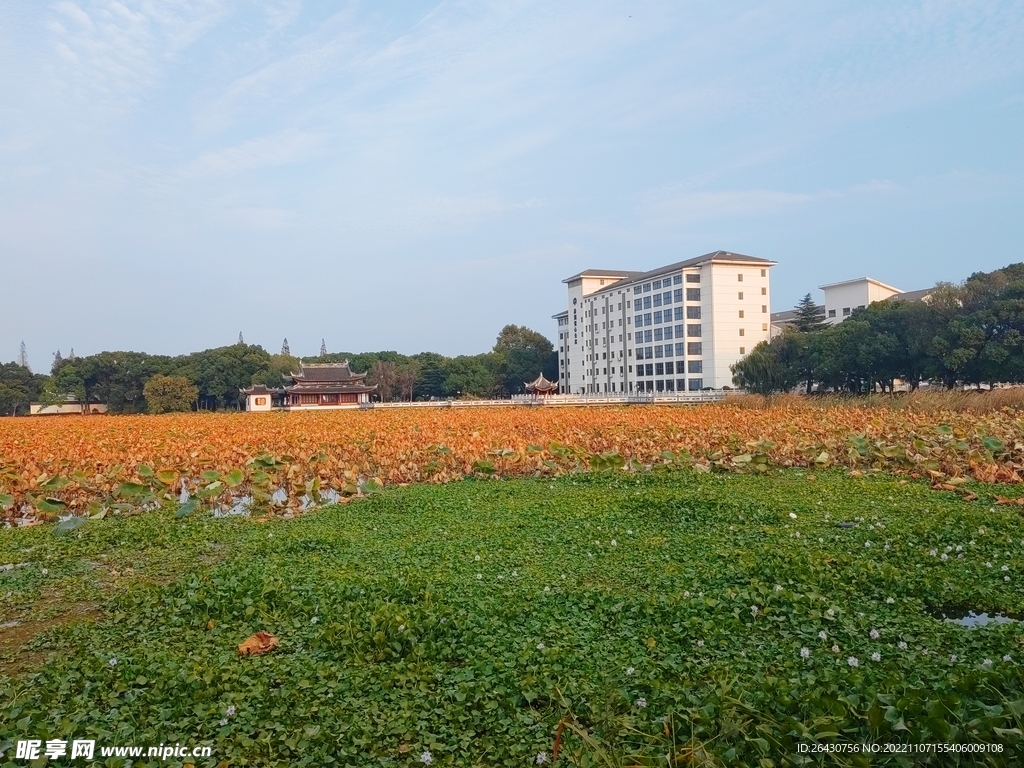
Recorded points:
(541,386)
(316,385)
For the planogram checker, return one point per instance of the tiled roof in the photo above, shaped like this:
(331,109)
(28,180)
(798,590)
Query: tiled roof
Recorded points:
(332,372)
(726,256)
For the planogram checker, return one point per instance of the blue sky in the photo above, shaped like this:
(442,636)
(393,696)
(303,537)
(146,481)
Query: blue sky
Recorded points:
(415,175)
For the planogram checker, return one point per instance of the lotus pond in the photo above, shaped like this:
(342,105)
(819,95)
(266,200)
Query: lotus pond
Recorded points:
(619,619)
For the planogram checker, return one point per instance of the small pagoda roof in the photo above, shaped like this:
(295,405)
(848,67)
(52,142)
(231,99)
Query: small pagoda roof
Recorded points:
(261,389)
(540,384)
(326,372)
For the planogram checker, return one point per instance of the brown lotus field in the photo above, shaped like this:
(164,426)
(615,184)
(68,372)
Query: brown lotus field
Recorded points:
(53,467)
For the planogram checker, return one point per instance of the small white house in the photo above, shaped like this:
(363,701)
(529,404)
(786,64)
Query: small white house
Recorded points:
(70,407)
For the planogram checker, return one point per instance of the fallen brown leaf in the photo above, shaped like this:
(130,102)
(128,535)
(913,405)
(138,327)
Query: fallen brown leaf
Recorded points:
(261,642)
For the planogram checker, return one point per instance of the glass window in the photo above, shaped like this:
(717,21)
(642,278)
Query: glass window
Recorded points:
(846,311)
(831,313)
(657,317)
(660,385)
(647,287)
(657,299)
(639,353)
(648,337)
(693,277)
(668,384)
(668,331)
(659,369)
(679,349)
(678,295)
(647,302)
(639,319)
(741,313)
(679,331)
(740,295)
(695,385)
(679,313)
(764,273)
(668,350)
(657,351)
(650,368)
(764,309)
(677,279)
(739,277)
(647,318)
(743,350)
(764,326)
(764,291)
(743,331)
(637,305)
(693,313)
(656,285)
(693,330)
(695,366)
(657,334)
(636,289)
(693,294)
(680,385)
(670,368)
(667,297)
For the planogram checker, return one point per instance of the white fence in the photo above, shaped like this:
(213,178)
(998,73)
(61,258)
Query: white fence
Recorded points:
(530,401)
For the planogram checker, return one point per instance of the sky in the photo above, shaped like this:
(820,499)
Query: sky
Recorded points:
(415,175)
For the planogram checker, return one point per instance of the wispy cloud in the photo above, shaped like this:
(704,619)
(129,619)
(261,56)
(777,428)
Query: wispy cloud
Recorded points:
(268,151)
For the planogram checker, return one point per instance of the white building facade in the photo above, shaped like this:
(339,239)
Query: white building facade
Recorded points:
(841,299)
(677,328)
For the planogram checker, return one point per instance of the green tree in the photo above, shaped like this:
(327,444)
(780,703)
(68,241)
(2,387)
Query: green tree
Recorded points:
(19,387)
(168,394)
(809,316)
(521,354)
(772,366)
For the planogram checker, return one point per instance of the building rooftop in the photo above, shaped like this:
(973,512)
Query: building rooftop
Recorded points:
(313,372)
(860,280)
(629,278)
(920,295)
(616,273)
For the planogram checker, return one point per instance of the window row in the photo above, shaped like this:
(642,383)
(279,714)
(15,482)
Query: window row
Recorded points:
(666,350)
(670,385)
(661,369)
(666,316)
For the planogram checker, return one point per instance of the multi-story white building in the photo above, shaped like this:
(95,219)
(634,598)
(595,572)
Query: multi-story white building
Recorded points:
(842,298)
(674,329)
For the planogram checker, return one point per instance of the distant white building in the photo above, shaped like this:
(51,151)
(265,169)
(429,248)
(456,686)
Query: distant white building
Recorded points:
(70,407)
(842,298)
(676,328)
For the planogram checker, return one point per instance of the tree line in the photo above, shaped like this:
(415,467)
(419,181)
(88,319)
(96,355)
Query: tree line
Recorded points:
(136,382)
(960,335)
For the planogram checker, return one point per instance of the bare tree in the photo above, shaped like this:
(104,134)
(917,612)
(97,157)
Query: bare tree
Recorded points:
(385,376)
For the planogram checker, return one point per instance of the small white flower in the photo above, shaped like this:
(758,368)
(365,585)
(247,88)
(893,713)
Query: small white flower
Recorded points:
(401,627)
(686,594)
(867,543)
(477,557)
(1005,568)
(902,645)
(958,547)
(797,534)
(540,646)
(852,661)
(874,634)
(1007,658)
(793,515)
(629,532)
(822,634)
(932,552)
(805,653)
(641,702)
(960,556)
(949,549)
(988,565)
(541,758)
(44,571)
(835,648)
(1006,578)
(876,656)
(224,721)
(924,651)
(944,557)
(630,670)
(444,619)
(515,573)
(830,613)
(615,543)
(886,547)
(952,657)
(230,711)
(778,587)
(547,589)
(890,600)
(700,643)
(987,663)
(426,758)
(754,610)
(113,661)
(314,620)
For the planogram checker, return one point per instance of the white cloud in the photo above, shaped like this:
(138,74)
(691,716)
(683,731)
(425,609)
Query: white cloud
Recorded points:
(268,151)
